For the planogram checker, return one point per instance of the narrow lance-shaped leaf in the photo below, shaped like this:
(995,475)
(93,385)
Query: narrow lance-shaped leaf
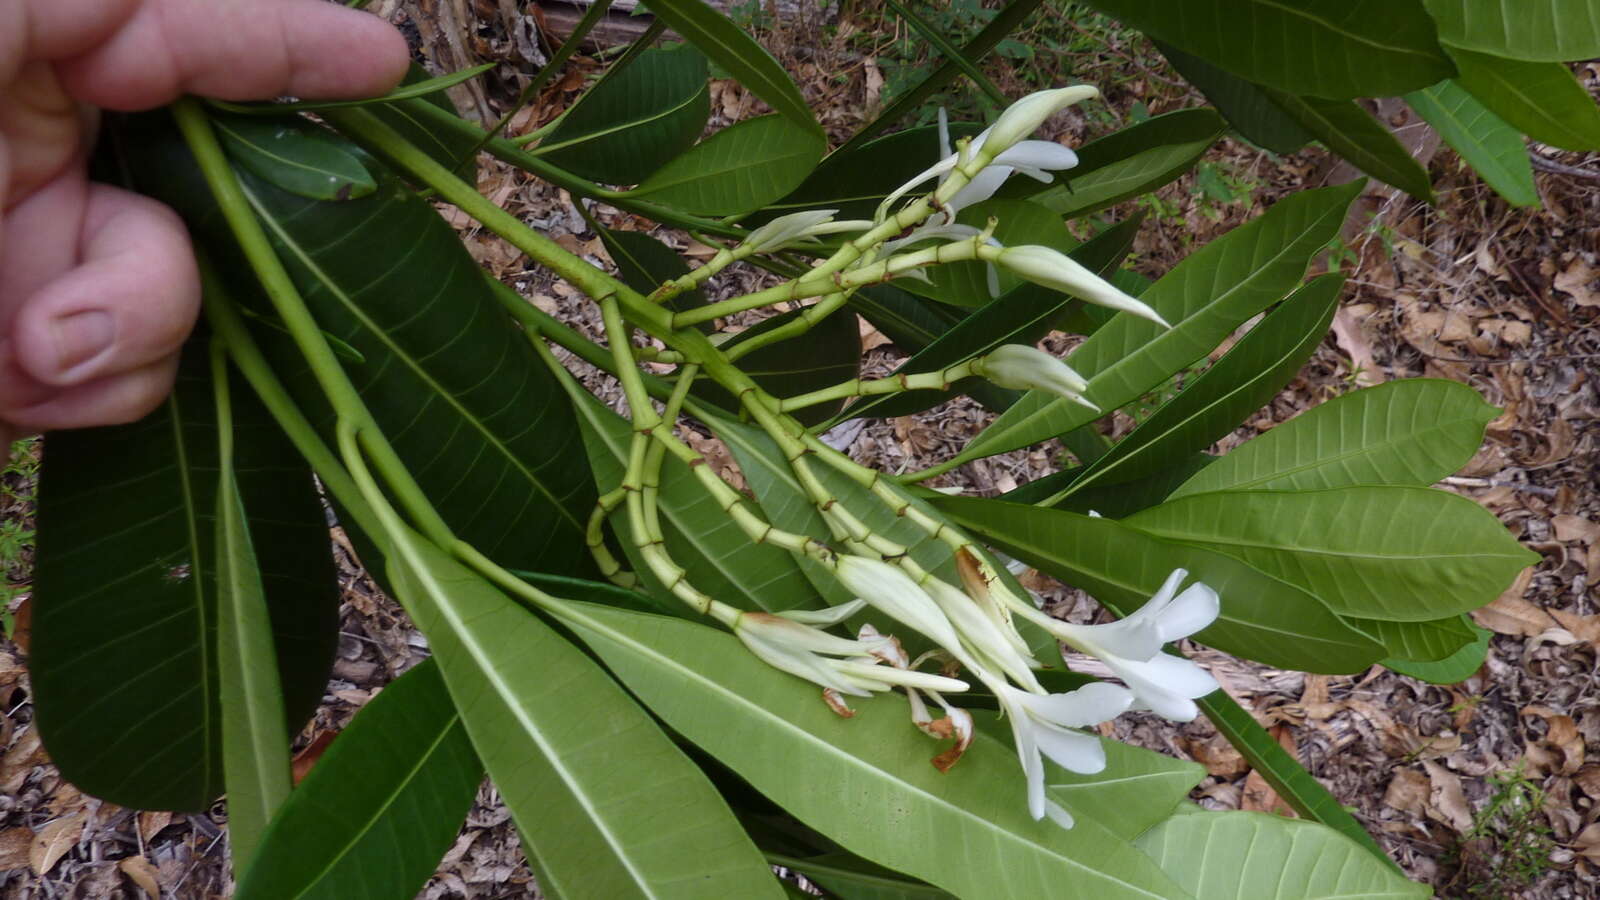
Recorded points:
(736,170)
(1350,131)
(1136,160)
(295,156)
(255,745)
(380,807)
(1542,99)
(1340,49)
(124,654)
(1414,431)
(720,39)
(1246,107)
(606,804)
(1205,297)
(1240,383)
(1453,669)
(1380,551)
(1495,150)
(864,782)
(1539,30)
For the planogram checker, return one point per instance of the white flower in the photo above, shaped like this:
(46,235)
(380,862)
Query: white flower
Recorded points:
(892,592)
(1024,117)
(983,635)
(1024,368)
(786,230)
(1045,723)
(1164,684)
(810,653)
(1056,270)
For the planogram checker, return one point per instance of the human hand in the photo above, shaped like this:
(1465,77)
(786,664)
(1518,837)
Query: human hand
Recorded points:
(98,286)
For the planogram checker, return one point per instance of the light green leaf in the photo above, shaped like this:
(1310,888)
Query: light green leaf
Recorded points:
(380,807)
(632,123)
(734,50)
(864,782)
(1379,551)
(1419,642)
(1542,99)
(295,155)
(1415,431)
(1539,30)
(1240,383)
(1262,618)
(1453,669)
(1256,856)
(255,744)
(1340,49)
(736,170)
(1133,161)
(1350,131)
(1246,107)
(607,806)
(1494,149)
(1205,298)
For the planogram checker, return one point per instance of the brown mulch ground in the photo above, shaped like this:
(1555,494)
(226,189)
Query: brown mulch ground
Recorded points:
(1504,300)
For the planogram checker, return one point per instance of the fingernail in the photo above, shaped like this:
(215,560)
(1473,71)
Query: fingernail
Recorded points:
(80,337)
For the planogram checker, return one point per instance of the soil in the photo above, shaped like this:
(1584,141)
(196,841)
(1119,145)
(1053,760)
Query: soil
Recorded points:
(1488,788)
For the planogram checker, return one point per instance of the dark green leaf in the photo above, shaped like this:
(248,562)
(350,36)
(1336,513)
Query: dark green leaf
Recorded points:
(606,804)
(1381,551)
(1350,131)
(1114,501)
(631,124)
(1246,107)
(1262,618)
(1544,100)
(864,782)
(1540,30)
(380,807)
(737,169)
(824,356)
(1340,49)
(445,147)
(1415,431)
(1494,149)
(125,606)
(1133,161)
(645,264)
(1283,772)
(1205,298)
(1216,402)
(1453,669)
(734,50)
(856,181)
(296,156)
(910,321)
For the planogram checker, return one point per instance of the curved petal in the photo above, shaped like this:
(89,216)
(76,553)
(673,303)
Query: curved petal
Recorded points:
(1072,750)
(1088,705)
(1194,609)
(1039,155)
(979,189)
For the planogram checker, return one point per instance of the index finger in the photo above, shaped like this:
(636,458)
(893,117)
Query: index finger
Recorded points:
(136,54)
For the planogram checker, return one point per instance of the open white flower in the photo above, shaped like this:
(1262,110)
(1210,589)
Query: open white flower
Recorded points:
(1024,117)
(839,664)
(1024,368)
(1056,270)
(1164,684)
(1045,724)
(983,636)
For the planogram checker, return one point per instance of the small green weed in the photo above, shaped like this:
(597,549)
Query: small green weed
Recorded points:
(1509,844)
(18,482)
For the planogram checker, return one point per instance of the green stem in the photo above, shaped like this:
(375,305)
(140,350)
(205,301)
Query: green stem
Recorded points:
(237,210)
(894,384)
(808,319)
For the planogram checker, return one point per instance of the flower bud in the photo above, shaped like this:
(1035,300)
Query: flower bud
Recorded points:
(893,592)
(1056,270)
(785,230)
(1023,368)
(1024,117)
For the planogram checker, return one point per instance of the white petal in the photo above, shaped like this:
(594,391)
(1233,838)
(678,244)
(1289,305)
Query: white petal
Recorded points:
(1057,814)
(1088,705)
(979,189)
(1166,685)
(1026,115)
(1072,750)
(892,591)
(944,133)
(1022,729)
(1045,155)
(933,171)
(832,615)
(1056,270)
(1194,609)
(1131,638)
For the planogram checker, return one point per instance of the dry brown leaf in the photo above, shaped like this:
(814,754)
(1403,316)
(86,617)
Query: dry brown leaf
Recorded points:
(1408,792)
(871,338)
(1575,528)
(1218,756)
(1588,779)
(1258,796)
(1578,281)
(1584,628)
(52,842)
(141,872)
(1447,802)
(301,765)
(1353,341)
(14,845)
(1587,843)
(874,79)
(153,821)
(1510,614)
